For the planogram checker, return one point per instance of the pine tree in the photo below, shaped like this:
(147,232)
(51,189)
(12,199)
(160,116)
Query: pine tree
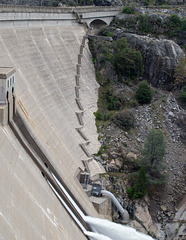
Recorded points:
(144,93)
(152,157)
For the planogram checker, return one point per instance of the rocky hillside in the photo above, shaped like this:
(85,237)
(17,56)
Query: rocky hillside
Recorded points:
(56,3)
(161,212)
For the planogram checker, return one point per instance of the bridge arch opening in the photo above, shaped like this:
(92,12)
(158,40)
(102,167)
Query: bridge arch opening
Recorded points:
(97,24)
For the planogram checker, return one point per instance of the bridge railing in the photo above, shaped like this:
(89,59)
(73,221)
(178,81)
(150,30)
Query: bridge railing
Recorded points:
(37,9)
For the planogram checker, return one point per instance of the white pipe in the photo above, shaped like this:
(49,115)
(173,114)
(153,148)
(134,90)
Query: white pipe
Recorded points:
(71,200)
(68,196)
(123,212)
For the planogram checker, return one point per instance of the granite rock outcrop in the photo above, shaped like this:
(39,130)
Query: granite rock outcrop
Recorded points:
(160,58)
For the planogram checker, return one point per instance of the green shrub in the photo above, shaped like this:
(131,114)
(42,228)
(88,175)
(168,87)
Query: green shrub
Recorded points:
(127,10)
(133,103)
(144,22)
(110,34)
(152,158)
(104,31)
(139,189)
(130,192)
(175,21)
(183,25)
(101,150)
(146,3)
(160,2)
(107,116)
(180,72)
(127,62)
(144,93)
(98,115)
(124,120)
(183,94)
(113,102)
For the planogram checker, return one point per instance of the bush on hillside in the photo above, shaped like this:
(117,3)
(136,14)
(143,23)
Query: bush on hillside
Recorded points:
(152,158)
(98,115)
(139,189)
(144,93)
(127,10)
(127,62)
(180,72)
(183,94)
(145,24)
(124,120)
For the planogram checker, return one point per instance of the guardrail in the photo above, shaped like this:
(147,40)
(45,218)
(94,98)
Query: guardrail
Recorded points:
(37,9)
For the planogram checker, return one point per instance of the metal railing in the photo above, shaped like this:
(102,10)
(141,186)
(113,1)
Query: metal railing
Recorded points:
(38,9)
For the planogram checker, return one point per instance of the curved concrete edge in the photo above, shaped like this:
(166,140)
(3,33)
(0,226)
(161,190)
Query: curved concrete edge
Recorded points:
(90,164)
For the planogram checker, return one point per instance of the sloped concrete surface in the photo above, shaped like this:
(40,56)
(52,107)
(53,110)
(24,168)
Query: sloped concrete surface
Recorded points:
(45,57)
(28,207)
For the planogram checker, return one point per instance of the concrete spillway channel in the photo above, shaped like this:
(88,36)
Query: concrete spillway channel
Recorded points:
(49,173)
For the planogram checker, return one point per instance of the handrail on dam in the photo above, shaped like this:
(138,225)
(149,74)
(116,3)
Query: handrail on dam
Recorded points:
(39,9)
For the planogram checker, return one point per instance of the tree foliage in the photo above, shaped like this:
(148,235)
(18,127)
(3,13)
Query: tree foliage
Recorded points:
(124,119)
(127,10)
(183,94)
(152,157)
(180,72)
(144,93)
(127,62)
(139,189)
(145,24)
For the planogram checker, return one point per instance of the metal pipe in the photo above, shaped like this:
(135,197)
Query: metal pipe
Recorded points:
(123,212)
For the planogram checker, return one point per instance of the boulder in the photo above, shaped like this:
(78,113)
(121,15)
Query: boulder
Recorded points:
(136,225)
(131,156)
(177,229)
(119,163)
(143,216)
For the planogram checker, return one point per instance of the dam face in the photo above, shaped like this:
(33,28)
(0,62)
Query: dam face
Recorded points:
(44,55)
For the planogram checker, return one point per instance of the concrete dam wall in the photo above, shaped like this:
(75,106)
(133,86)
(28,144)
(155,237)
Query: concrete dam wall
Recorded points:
(50,94)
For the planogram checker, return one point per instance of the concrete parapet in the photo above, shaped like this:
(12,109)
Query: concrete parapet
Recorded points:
(78,66)
(80,119)
(82,145)
(78,101)
(81,49)
(77,80)
(86,165)
(79,129)
(77,91)
(79,58)
(83,41)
